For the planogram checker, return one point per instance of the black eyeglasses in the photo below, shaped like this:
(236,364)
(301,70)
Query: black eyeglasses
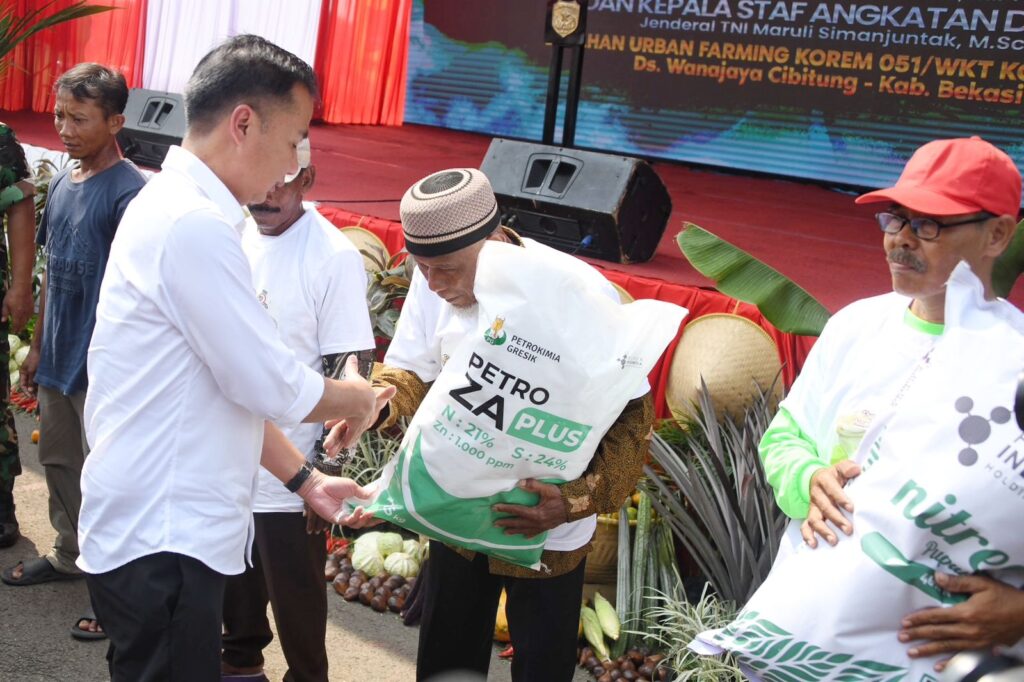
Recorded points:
(923,228)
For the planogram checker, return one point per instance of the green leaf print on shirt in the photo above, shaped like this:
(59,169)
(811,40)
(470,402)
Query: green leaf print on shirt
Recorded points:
(777,656)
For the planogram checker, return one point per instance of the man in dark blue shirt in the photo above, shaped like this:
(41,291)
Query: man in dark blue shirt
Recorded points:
(84,206)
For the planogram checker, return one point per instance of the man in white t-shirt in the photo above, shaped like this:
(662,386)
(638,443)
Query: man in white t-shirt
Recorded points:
(446,218)
(311,280)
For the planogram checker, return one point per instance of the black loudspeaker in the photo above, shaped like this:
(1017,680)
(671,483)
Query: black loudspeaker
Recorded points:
(598,205)
(154,121)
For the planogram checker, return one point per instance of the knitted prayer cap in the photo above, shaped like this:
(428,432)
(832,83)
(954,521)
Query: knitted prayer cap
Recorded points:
(448,211)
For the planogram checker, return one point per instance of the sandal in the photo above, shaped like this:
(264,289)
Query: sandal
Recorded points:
(87,635)
(35,572)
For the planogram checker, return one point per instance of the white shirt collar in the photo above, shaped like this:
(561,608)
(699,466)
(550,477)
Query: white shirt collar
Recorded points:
(186,163)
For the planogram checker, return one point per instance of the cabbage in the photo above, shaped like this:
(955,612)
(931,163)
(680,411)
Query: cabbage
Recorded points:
(14,342)
(389,543)
(412,548)
(12,366)
(14,379)
(382,543)
(400,563)
(19,355)
(368,560)
(366,540)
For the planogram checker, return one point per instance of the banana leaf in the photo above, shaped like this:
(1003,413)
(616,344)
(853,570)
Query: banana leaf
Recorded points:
(1010,264)
(15,29)
(738,274)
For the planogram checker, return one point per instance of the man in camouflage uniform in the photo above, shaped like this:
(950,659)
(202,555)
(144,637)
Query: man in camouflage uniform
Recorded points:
(16,190)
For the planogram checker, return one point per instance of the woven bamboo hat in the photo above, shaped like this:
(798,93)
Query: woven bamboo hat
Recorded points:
(368,244)
(734,356)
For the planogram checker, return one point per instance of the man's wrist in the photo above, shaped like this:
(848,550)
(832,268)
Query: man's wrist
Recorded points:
(300,478)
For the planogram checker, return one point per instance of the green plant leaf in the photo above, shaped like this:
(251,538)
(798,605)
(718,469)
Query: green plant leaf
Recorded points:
(1010,264)
(14,29)
(711,490)
(364,462)
(678,622)
(738,274)
(387,322)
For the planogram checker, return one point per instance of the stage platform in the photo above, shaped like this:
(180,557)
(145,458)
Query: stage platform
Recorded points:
(812,234)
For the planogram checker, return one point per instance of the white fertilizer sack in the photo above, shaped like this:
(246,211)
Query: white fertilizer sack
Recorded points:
(529,394)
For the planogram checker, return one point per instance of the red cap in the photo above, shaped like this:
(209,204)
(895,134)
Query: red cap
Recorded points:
(953,177)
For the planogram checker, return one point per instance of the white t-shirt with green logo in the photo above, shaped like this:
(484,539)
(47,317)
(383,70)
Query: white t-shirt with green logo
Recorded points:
(864,355)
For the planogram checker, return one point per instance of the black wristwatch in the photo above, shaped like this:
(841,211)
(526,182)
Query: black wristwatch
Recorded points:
(299,478)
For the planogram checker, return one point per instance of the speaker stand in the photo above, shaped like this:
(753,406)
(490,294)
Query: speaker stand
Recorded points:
(573,95)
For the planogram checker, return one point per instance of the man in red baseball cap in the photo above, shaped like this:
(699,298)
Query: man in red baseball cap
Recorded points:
(956,201)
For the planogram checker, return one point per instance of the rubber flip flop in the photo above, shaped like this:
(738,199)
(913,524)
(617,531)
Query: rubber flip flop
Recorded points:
(35,572)
(86,635)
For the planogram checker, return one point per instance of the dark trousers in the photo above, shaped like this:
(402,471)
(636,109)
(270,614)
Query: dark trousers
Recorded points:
(162,613)
(460,603)
(10,462)
(287,572)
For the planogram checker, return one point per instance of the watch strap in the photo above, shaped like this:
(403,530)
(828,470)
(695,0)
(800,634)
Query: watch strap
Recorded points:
(298,479)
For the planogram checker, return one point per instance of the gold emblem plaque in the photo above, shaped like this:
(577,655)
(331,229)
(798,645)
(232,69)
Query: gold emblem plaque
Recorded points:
(565,17)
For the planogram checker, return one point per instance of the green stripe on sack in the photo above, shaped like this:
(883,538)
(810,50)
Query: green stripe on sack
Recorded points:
(416,502)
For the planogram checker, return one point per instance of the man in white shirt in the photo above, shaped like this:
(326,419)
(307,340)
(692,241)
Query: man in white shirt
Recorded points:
(311,280)
(187,372)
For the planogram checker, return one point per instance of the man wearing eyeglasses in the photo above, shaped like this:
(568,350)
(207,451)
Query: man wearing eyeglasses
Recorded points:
(956,200)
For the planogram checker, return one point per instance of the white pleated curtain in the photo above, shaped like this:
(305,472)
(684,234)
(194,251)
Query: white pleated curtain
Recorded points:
(180,32)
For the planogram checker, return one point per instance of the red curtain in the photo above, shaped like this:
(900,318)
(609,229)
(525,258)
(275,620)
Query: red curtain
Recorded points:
(115,39)
(361,61)
(14,87)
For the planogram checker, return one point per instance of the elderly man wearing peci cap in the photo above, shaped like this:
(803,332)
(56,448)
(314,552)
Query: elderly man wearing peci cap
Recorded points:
(446,219)
(956,200)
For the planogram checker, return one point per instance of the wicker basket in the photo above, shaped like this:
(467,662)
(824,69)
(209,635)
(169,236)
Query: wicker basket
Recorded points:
(603,561)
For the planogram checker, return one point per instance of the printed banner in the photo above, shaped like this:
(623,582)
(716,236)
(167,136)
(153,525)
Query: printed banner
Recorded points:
(834,91)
